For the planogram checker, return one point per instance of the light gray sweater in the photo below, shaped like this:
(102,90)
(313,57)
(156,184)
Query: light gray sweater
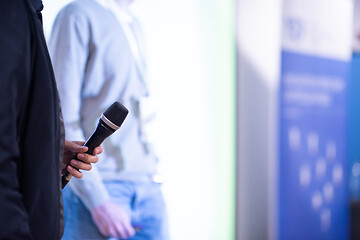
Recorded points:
(94,66)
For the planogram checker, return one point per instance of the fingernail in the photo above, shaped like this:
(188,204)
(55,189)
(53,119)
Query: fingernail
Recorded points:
(81,155)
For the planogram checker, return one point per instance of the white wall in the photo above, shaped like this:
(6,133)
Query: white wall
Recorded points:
(51,8)
(183,135)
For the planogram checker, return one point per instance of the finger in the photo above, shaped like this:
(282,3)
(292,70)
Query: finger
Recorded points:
(114,233)
(80,143)
(74,172)
(104,231)
(75,146)
(87,158)
(129,231)
(98,150)
(81,165)
(121,233)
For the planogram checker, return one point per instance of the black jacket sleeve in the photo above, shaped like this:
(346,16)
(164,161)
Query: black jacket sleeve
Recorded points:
(15,70)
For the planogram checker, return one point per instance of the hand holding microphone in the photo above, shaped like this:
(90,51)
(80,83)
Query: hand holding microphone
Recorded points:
(109,122)
(76,158)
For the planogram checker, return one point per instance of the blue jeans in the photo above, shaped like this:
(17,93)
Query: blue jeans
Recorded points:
(144,202)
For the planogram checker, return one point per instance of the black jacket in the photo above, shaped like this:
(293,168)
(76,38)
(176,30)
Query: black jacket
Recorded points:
(31,139)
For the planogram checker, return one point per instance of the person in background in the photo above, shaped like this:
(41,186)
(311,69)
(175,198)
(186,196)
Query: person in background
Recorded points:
(98,55)
(33,151)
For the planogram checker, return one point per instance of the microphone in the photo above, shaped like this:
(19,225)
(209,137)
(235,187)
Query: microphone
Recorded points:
(109,122)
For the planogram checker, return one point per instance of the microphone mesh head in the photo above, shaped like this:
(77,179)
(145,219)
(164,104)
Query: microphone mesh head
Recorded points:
(116,113)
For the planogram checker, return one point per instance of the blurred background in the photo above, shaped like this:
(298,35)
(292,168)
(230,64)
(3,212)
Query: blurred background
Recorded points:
(258,112)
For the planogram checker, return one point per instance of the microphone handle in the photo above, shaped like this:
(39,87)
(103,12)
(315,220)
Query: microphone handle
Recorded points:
(99,135)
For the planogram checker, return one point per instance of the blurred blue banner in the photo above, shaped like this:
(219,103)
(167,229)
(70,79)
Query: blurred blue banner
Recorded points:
(312,168)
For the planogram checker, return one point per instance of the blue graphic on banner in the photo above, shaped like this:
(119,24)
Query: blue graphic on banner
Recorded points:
(312,168)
